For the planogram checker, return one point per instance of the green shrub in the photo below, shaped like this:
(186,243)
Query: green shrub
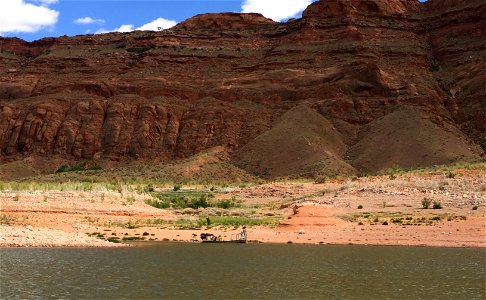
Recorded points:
(138,50)
(226,203)
(131,225)
(360,206)
(191,199)
(237,221)
(158,204)
(177,187)
(62,169)
(475,207)
(426,203)
(451,175)
(113,239)
(77,168)
(132,238)
(202,201)
(437,205)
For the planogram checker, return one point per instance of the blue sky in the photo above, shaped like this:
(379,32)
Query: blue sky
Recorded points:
(35,19)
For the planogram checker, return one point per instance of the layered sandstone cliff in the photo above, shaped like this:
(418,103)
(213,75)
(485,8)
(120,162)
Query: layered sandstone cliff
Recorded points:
(352,86)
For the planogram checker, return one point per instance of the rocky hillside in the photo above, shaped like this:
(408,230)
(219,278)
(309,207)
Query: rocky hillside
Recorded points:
(352,86)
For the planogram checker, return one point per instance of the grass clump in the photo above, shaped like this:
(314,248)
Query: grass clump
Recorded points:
(83,186)
(128,225)
(6,219)
(185,224)
(360,206)
(130,200)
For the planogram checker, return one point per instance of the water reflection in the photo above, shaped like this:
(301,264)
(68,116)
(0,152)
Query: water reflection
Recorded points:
(231,271)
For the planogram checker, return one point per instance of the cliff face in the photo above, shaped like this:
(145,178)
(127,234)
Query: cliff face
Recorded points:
(232,80)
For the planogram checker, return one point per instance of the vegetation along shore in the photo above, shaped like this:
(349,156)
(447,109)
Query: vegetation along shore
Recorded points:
(443,206)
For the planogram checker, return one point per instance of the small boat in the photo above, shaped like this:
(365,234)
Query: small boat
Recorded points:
(211,238)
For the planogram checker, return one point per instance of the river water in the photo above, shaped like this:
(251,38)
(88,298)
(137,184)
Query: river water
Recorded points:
(251,271)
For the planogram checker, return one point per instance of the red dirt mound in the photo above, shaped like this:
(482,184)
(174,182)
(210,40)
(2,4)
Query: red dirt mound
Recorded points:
(409,138)
(302,143)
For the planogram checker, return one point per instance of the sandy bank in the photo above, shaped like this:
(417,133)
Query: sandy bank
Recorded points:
(15,236)
(365,211)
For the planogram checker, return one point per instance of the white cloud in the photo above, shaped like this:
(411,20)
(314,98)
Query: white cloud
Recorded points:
(154,26)
(276,10)
(123,28)
(43,2)
(88,20)
(20,16)
(158,23)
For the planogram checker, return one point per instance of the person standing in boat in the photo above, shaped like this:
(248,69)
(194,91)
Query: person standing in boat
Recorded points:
(243,233)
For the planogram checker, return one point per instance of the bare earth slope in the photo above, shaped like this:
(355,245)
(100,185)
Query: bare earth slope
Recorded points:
(224,80)
(301,143)
(408,138)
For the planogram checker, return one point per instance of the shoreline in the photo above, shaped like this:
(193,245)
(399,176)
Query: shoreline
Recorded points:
(29,237)
(360,211)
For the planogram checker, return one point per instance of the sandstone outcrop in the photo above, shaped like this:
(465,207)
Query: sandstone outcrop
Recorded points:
(228,80)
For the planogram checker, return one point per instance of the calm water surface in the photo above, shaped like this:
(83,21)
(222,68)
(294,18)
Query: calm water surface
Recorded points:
(225,271)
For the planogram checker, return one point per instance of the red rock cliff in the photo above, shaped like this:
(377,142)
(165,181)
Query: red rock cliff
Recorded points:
(364,66)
